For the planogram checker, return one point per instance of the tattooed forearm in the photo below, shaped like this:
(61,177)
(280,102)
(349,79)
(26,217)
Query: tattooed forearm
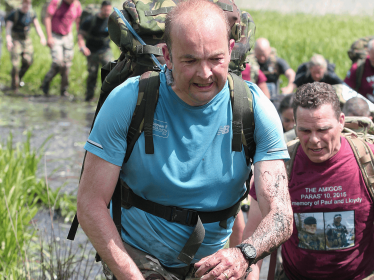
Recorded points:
(274,201)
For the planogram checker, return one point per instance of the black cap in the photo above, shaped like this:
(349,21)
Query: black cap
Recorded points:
(310,221)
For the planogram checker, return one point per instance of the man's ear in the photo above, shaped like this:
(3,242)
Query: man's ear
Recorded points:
(167,57)
(342,121)
(231,45)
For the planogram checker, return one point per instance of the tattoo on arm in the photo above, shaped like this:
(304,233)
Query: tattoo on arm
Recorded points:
(276,227)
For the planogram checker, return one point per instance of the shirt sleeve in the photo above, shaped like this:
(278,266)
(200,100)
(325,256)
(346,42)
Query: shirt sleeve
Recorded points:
(53,6)
(333,78)
(261,77)
(350,78)
(268,136)
(11,17)
(85,25)
(283,65)
(107,139)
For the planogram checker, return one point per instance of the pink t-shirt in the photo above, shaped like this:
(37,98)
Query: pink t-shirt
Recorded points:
(63,15)
(333,236)
(367,82)
(246,75)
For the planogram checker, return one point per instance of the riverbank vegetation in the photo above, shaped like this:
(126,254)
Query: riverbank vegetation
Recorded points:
(22,196)
(296,37)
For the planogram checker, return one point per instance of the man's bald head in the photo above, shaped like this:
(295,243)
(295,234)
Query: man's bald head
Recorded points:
(262,50)
(198,15)
(356,107)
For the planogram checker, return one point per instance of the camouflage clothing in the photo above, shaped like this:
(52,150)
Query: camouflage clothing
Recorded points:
(337,236)
(62,57)
(310,241)
(93,62)
(151,268)
(22,51)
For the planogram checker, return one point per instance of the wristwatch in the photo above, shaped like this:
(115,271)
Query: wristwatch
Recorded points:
(249,253)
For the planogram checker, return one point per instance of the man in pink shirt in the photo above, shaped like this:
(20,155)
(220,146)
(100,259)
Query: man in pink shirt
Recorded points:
(58,22)
(365,83)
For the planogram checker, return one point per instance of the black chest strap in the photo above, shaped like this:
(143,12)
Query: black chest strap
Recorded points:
(181,216)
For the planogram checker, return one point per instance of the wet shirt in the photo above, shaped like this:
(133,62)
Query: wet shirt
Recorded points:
(97,39)
(367,81)
(246,75)
(63,15)
(22,26)
(327,191)
(193,165)
(272,74)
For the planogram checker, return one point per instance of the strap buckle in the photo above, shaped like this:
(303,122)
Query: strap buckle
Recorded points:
(183,216)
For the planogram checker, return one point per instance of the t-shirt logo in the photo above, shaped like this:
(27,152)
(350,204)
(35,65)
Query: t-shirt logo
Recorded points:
(223,130)
(160,129)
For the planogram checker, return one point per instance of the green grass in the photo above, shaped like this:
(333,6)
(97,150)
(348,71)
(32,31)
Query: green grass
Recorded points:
(22,194)
(296,37)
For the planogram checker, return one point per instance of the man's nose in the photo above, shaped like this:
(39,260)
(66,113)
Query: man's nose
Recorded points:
(314,139)
(205,70)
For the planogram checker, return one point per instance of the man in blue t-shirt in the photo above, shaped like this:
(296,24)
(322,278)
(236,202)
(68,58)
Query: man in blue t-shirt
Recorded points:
(193,165)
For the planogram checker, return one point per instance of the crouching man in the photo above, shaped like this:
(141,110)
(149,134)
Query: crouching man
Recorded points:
(193,167)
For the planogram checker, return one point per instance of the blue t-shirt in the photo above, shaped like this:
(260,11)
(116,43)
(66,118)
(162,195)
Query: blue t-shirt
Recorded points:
(193,165)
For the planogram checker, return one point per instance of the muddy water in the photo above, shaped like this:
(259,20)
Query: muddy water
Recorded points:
(68,124)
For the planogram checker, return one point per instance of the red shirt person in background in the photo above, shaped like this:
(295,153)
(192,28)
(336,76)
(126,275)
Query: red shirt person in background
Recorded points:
(366,87)
(60,16)
(260,79)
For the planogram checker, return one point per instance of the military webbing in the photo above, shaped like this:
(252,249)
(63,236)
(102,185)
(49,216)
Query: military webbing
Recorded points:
(359,72)
(148,49)
(365,160)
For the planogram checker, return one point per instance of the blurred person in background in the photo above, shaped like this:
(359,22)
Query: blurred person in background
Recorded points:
(252,73)
(2,24)
(356,107)
(318,69)
(97,50)
(19,42)
(361,75)
(273,66)
(60,17)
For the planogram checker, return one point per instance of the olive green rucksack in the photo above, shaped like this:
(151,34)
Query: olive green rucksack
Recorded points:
(11,5)
(357,53)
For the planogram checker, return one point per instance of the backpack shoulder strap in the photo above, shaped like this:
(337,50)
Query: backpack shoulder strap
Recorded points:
(142,118)
(16,17)
(243,122)
(359,72)
(92,23)
(292,147)
(365,160)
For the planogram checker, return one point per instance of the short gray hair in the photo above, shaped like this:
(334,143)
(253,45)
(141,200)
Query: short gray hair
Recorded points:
(370,45)
(356,107)
(318,60)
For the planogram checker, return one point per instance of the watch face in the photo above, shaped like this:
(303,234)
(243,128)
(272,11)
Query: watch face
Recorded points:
(250,251)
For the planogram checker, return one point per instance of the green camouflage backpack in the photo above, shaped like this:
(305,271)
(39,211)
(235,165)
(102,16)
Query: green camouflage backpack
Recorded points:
(89,11)
(357,53)
(358,49)
(43,13)
(11,5)
(358,131)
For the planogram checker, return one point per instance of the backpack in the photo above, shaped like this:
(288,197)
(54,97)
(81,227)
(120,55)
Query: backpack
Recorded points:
(358,131)
(358,49)
(89,12)
(43,13)
(11,5)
